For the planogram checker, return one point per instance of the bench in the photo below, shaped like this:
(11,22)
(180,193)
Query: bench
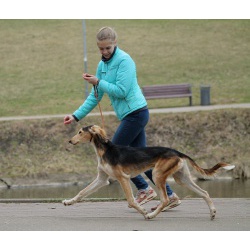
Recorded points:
(168,91)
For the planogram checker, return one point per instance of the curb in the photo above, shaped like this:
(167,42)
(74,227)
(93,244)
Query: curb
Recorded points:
(58,200)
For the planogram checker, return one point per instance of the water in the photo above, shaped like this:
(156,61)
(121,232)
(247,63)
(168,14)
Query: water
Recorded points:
(218,188)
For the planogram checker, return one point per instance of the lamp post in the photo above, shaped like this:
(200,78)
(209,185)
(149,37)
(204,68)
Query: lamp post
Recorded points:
(85,59)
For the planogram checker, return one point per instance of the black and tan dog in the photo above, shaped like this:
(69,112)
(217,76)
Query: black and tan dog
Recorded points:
(122,163)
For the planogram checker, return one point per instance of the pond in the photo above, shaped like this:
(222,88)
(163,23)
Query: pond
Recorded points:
(217,188)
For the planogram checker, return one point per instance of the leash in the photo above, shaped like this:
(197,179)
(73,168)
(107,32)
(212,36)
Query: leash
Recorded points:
(96,96)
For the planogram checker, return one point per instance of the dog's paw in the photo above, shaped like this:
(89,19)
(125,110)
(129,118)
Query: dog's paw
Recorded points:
(68,202)
(212,214)
(148,216)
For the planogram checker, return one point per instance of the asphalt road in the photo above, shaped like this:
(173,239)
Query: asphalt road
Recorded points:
(191,215)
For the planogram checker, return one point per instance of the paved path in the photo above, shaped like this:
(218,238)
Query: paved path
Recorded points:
(152,111)
(191,215)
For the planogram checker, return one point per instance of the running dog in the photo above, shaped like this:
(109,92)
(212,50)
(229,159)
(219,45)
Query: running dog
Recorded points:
(122,163)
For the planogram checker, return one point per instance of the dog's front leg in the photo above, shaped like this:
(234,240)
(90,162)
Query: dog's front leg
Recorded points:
(100,181)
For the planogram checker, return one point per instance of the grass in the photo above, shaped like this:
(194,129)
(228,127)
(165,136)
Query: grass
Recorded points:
(40,73)
(42,60)
(40,148)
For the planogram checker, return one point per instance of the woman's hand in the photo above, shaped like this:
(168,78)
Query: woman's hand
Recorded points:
(68,119)
(90,78)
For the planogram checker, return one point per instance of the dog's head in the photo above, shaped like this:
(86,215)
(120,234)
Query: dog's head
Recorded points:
(87,134)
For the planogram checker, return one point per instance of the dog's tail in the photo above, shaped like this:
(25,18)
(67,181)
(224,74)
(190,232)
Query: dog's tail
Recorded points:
(209,171)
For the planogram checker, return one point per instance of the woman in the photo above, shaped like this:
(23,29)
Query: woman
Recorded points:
(116,77)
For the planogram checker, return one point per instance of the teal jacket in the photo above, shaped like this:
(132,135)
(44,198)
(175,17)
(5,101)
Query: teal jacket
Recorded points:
(119,81)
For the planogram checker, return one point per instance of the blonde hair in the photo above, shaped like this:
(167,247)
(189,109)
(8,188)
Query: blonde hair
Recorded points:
(106,33)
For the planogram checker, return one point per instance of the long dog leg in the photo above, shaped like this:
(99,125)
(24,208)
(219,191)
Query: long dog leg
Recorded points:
(183,177)
(161,185)
(100,181)
(162,170)
(125,184)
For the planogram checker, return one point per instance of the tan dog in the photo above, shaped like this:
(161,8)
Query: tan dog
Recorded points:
(122,163)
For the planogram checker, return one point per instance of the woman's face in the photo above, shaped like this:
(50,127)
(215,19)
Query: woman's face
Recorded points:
(106,47)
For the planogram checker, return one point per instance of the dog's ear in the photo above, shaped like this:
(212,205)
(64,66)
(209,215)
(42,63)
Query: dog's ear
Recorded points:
(93,129)
(98,131)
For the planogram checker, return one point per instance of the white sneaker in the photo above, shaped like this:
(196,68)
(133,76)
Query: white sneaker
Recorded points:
(145,195)
(174,201)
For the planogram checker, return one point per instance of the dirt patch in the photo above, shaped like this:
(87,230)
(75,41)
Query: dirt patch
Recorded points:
(38,150)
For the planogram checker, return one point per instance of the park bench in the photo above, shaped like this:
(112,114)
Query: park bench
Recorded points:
(168,91)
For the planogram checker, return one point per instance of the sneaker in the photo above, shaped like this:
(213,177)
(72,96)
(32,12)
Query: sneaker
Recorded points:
(174,201)
(143,196)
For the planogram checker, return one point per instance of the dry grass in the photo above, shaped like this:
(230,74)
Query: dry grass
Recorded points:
(40,73)
(42,60)
(39,148)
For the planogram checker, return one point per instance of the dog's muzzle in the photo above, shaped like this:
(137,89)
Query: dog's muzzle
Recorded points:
(70,141)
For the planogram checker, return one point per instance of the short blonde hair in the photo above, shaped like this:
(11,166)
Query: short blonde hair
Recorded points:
(106,33)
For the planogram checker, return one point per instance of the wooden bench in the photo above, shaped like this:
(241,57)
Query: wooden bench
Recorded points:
(168,91)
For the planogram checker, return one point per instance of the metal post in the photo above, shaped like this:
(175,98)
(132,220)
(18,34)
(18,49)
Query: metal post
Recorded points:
(85,59)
